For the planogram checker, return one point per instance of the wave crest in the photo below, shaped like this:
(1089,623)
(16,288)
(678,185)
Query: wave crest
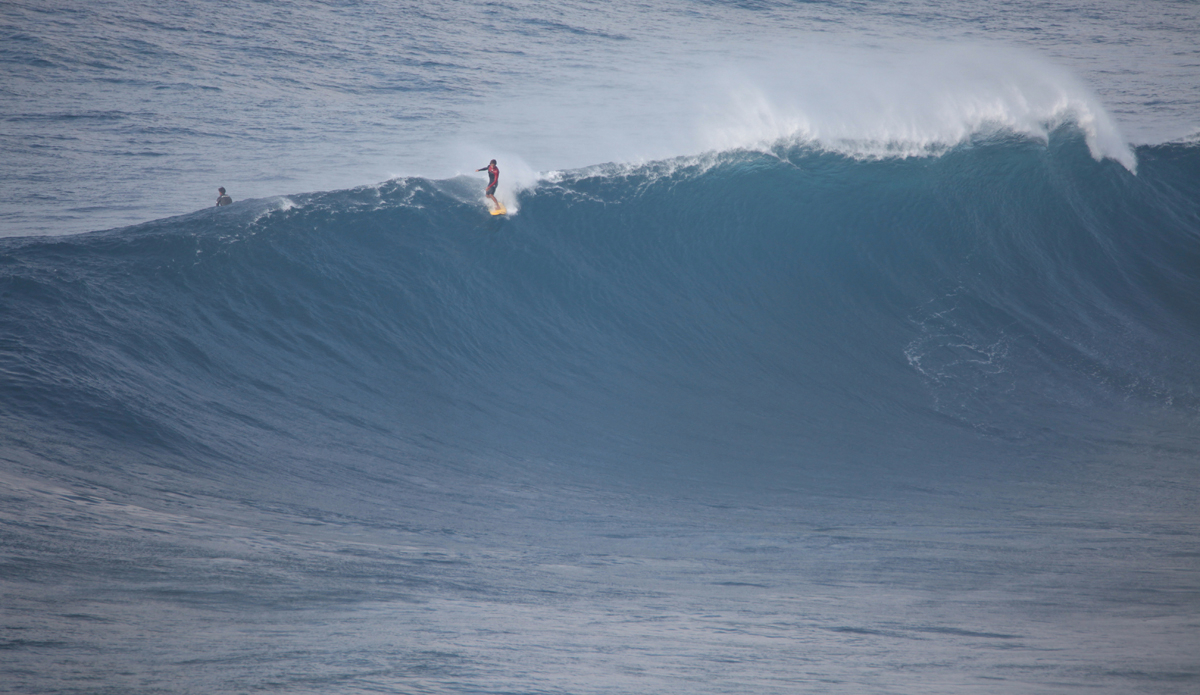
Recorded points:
(914,104)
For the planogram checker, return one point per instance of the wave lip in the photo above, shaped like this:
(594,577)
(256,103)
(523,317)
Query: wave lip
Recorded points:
(916,105)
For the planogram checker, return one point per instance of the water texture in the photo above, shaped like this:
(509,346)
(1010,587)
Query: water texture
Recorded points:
(120,112)
(893,390)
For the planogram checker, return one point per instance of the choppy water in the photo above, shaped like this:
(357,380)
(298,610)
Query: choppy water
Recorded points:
(868,367)
(122,112)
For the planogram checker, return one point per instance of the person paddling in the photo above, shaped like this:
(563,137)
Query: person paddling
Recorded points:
(493,179)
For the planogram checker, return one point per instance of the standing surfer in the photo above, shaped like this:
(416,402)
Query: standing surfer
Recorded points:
(493,179)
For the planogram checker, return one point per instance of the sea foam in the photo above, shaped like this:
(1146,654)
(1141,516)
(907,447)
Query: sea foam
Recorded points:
(884,103)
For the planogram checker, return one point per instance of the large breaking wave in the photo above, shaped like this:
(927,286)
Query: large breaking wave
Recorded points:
(742,314)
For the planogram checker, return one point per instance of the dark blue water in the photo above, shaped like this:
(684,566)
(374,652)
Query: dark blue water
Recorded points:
(826,347)
(1007,289)
(775,420)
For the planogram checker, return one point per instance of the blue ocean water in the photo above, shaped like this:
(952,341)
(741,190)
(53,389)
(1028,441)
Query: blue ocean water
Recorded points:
(825,348)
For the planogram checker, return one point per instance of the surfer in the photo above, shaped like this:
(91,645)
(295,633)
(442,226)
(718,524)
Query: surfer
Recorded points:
(223,199)
(493,179)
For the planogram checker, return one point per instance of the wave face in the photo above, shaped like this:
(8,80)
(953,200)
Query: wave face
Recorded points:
(744,314)
(755,422)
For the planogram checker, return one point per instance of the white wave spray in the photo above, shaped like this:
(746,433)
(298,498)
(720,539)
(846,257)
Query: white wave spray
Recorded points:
(885,103)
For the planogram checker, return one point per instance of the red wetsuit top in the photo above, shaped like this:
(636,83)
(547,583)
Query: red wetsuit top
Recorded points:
(493,177)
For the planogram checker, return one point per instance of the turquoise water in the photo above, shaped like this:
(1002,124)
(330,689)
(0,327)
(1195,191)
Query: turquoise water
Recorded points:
(130,111)
(877,377)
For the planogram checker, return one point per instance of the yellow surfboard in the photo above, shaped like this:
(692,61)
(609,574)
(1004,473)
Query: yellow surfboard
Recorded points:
(500,211)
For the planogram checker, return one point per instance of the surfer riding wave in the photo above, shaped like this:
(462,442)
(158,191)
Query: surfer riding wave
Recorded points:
(493,179)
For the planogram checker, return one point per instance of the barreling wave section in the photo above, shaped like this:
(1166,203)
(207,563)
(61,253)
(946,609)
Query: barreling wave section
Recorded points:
(744,311)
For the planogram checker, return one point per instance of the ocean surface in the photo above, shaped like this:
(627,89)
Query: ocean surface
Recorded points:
(827,347)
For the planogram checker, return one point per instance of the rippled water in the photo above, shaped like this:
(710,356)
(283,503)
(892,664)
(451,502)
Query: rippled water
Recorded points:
(826,347)
(129,111)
